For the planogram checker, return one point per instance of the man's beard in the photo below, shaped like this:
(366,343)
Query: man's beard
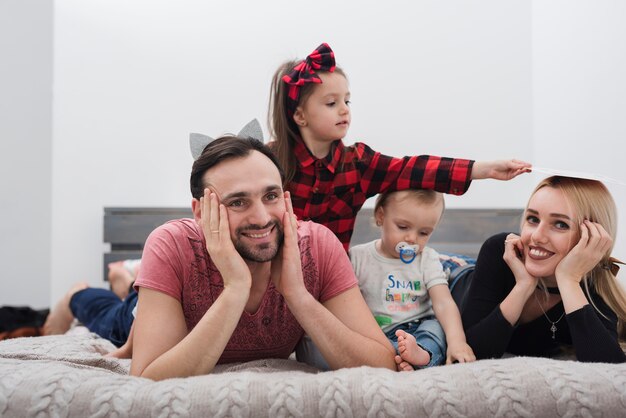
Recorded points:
(262,252)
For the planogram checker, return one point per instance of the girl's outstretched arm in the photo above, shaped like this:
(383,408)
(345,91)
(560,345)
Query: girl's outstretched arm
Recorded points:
(499,169)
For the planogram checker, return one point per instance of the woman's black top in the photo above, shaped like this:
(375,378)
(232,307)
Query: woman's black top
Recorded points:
(592,335)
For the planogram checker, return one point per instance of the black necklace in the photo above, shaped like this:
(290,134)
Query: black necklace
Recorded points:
(552,323)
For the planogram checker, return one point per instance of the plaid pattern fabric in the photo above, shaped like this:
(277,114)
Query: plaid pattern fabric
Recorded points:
(323,58)
(331,190)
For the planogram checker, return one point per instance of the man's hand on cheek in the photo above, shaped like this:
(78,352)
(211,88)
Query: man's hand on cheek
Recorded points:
(287,266)
(216,229)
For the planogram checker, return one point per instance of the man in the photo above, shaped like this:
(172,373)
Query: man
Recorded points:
(245,280)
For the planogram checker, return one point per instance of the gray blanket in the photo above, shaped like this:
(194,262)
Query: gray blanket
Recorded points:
(67,376)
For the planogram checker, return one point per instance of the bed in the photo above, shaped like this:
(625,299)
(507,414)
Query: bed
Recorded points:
(68,376)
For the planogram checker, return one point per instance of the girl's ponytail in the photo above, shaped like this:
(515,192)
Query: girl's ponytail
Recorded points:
(283,129)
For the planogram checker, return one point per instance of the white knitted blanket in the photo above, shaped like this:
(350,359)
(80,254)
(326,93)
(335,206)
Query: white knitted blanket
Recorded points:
(66,376)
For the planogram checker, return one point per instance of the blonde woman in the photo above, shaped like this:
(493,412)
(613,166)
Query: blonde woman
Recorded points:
(554,285)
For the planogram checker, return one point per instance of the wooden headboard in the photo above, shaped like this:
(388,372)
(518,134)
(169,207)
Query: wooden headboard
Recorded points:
(461,231)
(126,230)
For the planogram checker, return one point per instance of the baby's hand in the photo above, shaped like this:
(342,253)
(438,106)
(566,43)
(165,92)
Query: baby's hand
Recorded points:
(459,353)
(499,170)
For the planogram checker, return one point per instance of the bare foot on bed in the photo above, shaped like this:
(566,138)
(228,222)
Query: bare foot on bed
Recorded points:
(410,351)
(60,318)
(125,351)
(120,279)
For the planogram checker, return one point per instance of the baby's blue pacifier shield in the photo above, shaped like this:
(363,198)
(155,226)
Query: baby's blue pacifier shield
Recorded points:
(407,252)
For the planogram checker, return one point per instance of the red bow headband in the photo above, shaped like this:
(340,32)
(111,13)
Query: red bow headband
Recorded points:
(323,58)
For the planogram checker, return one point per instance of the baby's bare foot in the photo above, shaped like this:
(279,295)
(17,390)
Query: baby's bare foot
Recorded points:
(410,351)
(60,318)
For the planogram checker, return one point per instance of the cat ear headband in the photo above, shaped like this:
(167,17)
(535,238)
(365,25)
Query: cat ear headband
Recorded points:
(198,142)
(323,58)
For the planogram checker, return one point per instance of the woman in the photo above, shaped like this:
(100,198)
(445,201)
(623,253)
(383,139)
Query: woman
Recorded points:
(554,285)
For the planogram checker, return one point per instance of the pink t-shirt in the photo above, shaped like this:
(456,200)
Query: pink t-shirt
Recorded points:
(175,261)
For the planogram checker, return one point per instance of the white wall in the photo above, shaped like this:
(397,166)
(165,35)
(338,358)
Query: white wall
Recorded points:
(579,92)
(132,79)
(456,78)
(25,151)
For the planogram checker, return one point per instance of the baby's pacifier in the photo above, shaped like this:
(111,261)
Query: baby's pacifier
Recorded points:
(407,252)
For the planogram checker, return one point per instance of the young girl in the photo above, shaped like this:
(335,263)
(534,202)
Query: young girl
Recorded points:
(404,285)
(554,285)
(309,115)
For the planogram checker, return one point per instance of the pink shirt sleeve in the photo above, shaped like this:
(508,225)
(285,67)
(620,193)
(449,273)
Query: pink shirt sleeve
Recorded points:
(335,270)
(166,260)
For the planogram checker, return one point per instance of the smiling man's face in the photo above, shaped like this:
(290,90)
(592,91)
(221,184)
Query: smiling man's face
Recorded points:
(250,189)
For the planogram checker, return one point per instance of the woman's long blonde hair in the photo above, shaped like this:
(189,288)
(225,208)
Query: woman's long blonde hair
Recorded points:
(591,200)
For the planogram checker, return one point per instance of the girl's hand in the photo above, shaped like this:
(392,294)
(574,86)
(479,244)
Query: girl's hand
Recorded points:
(459,353)
(591,248)
(214,222)
(513,256)
(499,170)
(286,268)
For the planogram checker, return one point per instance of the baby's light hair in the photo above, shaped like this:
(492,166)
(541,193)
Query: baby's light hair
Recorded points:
(424,196)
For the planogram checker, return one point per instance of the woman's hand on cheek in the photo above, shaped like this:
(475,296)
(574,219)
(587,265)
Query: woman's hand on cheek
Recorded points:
(216,229)
(513,257)
(586,254)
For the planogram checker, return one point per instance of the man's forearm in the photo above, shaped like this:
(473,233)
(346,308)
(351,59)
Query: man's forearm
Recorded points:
(198,352)
(340,345)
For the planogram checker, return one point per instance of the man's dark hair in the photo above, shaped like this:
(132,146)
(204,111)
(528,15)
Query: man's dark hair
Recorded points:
(223,149)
